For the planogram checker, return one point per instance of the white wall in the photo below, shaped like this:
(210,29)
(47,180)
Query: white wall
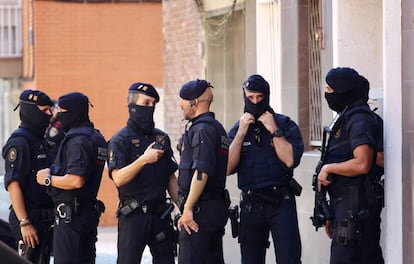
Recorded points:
(393,131)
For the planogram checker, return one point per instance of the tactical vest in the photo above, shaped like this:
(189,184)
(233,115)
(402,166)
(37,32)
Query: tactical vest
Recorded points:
(89,191)
(151,182)
(259,166)
(35,194)
(340,148)
(217,179)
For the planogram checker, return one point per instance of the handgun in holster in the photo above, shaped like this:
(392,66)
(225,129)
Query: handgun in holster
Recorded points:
(295,187)
(234,220)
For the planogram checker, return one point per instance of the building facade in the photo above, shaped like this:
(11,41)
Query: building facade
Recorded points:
(293,44)
(98,48)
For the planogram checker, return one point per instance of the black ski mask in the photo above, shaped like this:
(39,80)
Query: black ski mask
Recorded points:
(338,101)
(256,83)
(141,118)
(347,86)
(77,114)
(31,116)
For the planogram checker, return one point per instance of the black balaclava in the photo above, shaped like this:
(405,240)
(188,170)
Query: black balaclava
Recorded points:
(77,114)
(31,116)
(142,117)
(347,88)
(256,83)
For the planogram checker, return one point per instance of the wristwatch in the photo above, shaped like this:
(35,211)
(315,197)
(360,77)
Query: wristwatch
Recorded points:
(277,133)
(48,180)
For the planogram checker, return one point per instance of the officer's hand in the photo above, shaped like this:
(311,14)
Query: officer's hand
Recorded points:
(268,121)
(186,220)
(245,120)
(41,175)
(328,228)
(29,235)
(323,178)
(151,154)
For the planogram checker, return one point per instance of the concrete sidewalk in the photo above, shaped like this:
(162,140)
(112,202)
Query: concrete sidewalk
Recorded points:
(106,249)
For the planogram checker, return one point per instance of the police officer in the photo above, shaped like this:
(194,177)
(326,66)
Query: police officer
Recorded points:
(348,172)
(202,177)
(26,151)
(142,166)
(73,182)
(265,148)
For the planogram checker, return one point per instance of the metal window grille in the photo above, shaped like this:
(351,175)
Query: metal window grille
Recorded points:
(315,113)
(10,30)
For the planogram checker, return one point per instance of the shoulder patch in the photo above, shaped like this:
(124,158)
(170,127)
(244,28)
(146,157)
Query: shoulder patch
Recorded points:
(12,154)
(136,142)
(53,132)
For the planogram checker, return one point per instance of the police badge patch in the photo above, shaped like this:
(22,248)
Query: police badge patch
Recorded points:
(53,132)
(12,154)
(136,142)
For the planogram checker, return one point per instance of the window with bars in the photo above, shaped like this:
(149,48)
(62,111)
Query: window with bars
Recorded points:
(10,30)
(315,85)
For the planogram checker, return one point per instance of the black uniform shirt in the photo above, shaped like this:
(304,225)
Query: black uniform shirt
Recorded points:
(25,154)
(79,154)
(359,127)
(152,181)
(205,148)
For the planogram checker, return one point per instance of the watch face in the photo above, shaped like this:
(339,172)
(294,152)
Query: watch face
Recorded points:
(279,133)
(47,181)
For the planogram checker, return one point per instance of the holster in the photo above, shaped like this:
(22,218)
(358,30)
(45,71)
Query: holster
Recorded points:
(234,220)
(127,208)
(346,231)
(294,187)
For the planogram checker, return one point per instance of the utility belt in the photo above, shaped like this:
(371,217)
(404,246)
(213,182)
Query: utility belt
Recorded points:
(41,215)
(205,196)
(270,195)
(67,209)
(372,191)
(129,206)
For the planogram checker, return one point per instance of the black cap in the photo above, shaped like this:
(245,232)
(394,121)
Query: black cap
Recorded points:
(256,83)
(343,80)
(75,101)
(35,97)
(144,88)
(193,89)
